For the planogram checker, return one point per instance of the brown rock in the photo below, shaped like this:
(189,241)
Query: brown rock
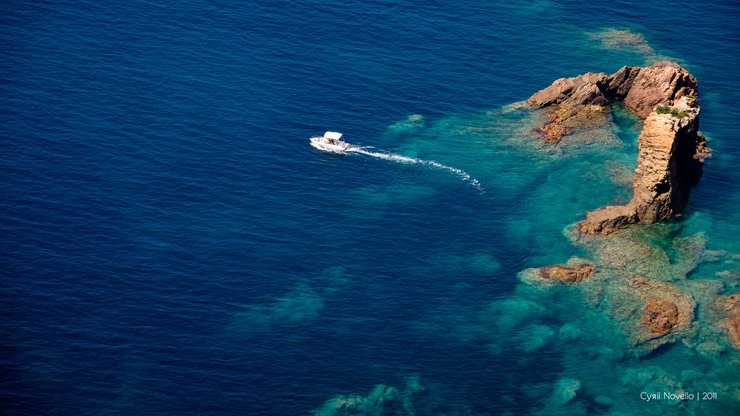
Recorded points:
(660,316)
(666,311)
(669,163)
(619,83)
(729,308)
(665,163)
(644,88)
(640,88)
(608,219)
(703,151)
(660,83)
(563,88)
(671,150)
(554,130)
(576,102)
(567,274)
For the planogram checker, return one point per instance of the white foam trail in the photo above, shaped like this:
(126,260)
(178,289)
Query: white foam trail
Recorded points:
(414,161)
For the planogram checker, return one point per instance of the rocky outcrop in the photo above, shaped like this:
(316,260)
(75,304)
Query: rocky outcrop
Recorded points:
(642,89)
(573,103)
(573,91)
(567,274)
(660,315)
(669,162)
(666,311)
(671,149)
(575,270)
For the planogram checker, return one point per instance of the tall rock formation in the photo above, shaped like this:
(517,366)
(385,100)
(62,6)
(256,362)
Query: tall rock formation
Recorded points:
(671,149)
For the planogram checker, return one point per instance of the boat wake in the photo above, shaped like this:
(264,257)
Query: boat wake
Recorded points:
(414,161)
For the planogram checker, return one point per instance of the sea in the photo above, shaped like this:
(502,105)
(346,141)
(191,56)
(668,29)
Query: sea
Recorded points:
(171,244)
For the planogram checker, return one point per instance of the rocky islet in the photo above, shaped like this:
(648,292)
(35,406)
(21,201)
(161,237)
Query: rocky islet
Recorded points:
(671,149)
(671,152)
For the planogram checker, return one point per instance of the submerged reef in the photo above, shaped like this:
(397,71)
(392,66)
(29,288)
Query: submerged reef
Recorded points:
(574,271)
(567,274)
(382,400)
(667,310)
(639,277)
(622,39)
(671,149)
(729,309)
(299,306)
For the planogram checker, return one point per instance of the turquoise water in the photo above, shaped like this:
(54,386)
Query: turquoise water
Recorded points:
(173,245)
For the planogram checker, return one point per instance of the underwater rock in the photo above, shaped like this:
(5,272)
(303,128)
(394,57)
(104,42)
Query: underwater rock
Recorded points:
(381,400)
(666,310)
(619,174)
(569,332)
(567,274)
(535,337)
(604,401)
(644,251)
(620,39)
(660,315)
(508,314)
(301,305)
(484,263)
(727,274)
(710,348)
(574,271)
(650,378)
(565,391)
(410,124)
(729,308)
(713,256)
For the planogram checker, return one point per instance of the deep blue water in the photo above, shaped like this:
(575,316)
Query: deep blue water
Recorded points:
(172,244)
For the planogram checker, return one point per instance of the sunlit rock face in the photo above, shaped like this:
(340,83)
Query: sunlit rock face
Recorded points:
(669,163)
(572,104)
(644,88)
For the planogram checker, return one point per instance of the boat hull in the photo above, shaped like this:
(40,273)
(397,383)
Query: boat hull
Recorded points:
(322,144)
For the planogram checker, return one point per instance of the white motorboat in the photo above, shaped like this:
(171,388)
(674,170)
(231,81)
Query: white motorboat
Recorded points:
(331,141)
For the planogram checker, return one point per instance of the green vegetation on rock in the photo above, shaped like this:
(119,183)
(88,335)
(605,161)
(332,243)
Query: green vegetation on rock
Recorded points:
(664,109)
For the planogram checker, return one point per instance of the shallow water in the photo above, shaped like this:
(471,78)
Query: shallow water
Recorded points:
(173,244)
